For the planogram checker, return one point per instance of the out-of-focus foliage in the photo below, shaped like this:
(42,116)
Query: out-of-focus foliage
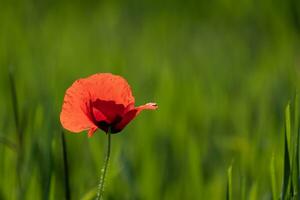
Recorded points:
(221,71)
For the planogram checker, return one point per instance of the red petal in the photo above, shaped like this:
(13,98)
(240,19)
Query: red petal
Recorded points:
(109,87)
(107,111)
(147,106)
(98,98)
(92,131)
(130,115)
(73,115)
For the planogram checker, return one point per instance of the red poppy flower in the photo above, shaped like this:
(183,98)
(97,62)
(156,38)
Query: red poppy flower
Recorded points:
(102,101)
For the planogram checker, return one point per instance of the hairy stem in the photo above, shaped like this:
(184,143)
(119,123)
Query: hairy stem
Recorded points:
(104,169)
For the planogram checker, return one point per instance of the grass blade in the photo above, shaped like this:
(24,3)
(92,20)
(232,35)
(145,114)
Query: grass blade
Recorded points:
(8,143)
(90,194)
(253,192)
(15,103)
(243,189)
(288,129)
(287,164)
(19,134)
(66,168)
(273,178)
(296,150)
(229,184)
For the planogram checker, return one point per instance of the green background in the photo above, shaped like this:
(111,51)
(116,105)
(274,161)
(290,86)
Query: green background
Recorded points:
(221,72)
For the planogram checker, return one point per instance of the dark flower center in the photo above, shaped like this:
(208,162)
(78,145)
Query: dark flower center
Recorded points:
(106,114)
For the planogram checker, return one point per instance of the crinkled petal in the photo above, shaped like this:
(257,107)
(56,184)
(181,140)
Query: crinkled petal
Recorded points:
(131,114)
(74,116)
(97,101)
(109,87)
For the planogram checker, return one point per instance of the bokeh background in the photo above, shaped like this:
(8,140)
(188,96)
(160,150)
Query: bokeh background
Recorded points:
(221,72)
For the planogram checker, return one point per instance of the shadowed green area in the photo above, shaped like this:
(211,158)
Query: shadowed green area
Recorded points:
(221,71)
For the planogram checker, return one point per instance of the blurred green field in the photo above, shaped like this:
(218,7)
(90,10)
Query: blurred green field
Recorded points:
(221,72)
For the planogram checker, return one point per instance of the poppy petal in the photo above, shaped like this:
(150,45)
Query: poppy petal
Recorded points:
(73,115)
(109,87)
(147,106)
(101,101)
(92,131)
(130,115)
(107,110)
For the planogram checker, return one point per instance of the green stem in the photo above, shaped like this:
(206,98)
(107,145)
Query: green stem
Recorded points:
(104,169)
